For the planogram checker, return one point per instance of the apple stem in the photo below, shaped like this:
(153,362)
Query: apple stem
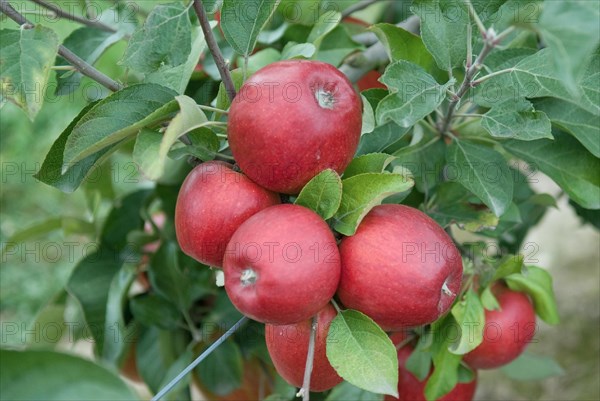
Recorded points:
(305,390)
(336,306)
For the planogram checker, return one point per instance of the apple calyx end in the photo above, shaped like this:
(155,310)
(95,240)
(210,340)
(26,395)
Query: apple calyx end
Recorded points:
(248,277)
(447,290)
(325,98)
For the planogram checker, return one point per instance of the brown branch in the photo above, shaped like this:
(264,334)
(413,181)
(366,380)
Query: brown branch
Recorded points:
(63,14)
(214,49)
(81,65)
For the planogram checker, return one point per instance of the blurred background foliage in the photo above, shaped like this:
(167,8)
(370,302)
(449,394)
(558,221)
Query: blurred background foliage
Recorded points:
(34,273)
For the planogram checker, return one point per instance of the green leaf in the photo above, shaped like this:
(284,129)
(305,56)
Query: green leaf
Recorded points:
(419,361)
(444,30)
(346,391)
(532,367)
(326,23)
(145,153)
(167,278)
(362,354)
(89,44)
(482,171)
(124,218)
(414,94)
(470,316)
(25,61)
(322,194)
(152,148)
(511,264)
(204,145)
(381,138)
(53,376)
(336,46)
(537,283)
(178,77)
(298,50)
(403,45)
(154,310)
(68,181)
(242,21)
(518,120)
(488,299)
(181,391)
(90,284)
(446,364)
(152,45)
(363,192)
(534,76)
(116,334)
(578,122)
(368,117)
(571,31)
(371,163)
(566,162)
(425,160)
(156,351)
(222,371)
(453,206)
(136,106)
(237,76)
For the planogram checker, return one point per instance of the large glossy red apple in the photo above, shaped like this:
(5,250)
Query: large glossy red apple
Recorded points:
(411,389)
(507,331)
(288,347)
(282,265)
(400,268)
(291,120)
(213,202)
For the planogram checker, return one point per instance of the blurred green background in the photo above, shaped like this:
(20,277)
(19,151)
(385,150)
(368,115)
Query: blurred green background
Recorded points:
(34,272)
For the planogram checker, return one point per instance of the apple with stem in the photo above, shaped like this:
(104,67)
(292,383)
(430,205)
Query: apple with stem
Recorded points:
(288,348)
(282,265)
(400,268)
(213,202)
(291,120)
(507,331)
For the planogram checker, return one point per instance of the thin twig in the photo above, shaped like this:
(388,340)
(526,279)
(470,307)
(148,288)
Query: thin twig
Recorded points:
(361,5)
(310,357)
(214,49)
(492,75)
(80,65)
(63,14)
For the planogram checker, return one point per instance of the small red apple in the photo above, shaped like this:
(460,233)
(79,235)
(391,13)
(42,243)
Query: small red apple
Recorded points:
(291,120)
(411,389)
(288,347)
(370,81)
(282,265)
(507,331)
(400,268)
(213,201)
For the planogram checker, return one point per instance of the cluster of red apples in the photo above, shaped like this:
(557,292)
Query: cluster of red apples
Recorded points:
(282,263)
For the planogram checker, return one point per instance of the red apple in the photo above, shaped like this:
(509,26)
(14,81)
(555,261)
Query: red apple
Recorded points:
(507,331)
(411,389)
(291,120)
(370,81)
(213,202)
(400,268)
(282,265)
(288,347)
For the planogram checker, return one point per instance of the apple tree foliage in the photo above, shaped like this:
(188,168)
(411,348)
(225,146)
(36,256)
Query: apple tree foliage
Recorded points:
(488,96)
